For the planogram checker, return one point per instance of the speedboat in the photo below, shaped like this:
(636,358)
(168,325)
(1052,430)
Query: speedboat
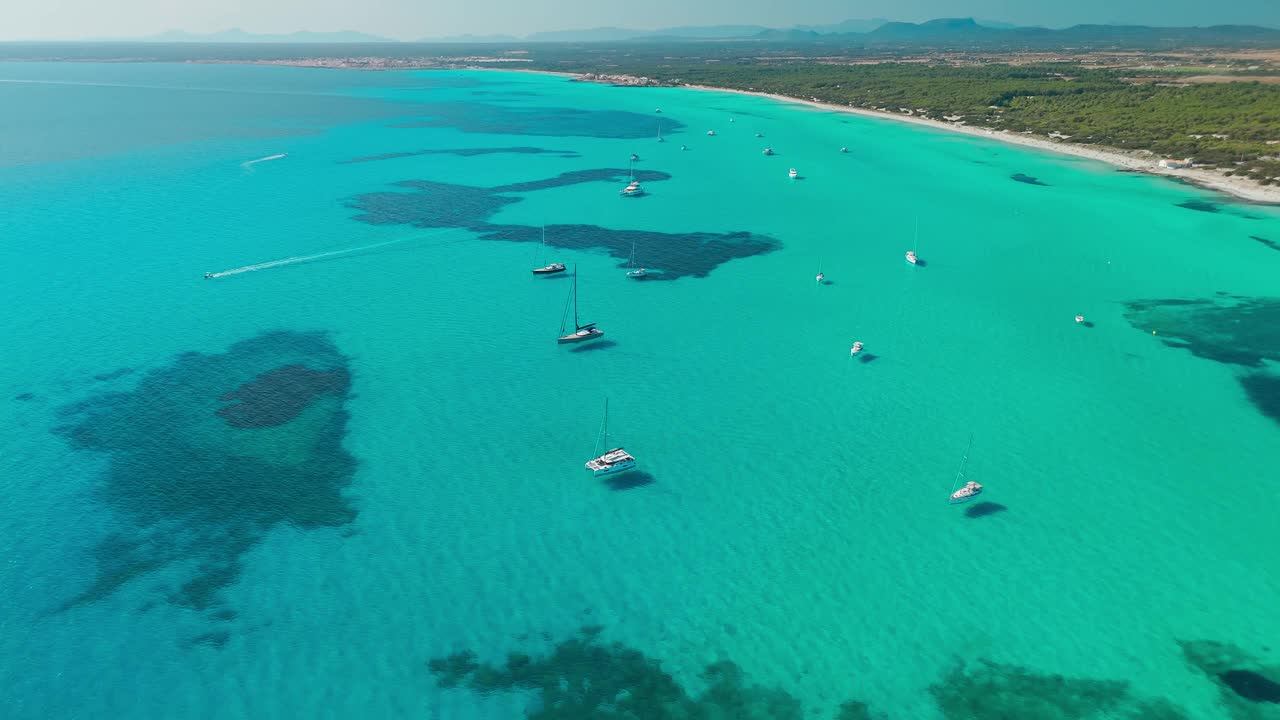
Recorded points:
(684,147)
(759,135)
(549,269)
(614,461)
(844,149)
(208,276)
(768,151)
(711,132)
(657,109)
(582,334)
(857,348)
(1079,318)
(911,257)
(970,490)
(793,174)
(638,274)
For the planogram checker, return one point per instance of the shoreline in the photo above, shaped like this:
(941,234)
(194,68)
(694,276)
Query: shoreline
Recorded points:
(1237,188)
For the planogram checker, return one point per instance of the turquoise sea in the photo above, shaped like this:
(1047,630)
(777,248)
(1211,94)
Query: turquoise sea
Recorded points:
(352,486)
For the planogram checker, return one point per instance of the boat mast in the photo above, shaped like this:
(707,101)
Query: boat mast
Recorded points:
(964,459)
(576,326)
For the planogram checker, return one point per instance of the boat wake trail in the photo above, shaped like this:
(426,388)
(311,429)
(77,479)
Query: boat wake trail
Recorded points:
(302,259)
(251,163)
(450,236)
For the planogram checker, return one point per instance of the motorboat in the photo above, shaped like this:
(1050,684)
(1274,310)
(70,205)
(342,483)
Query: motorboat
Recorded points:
(208,276)
(911,257)
(793,174)
(1079,318)
(844,149)
(711,132)
(768,151)
(857,348)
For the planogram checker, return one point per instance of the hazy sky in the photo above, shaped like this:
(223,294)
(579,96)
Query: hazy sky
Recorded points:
(409,19)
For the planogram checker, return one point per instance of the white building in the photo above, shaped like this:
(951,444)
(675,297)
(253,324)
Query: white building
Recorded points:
(1175,164)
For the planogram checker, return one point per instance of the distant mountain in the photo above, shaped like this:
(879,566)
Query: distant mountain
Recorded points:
(236,35)
(940,28)
(613,34)
(796,35)
(847,26)
(468,38)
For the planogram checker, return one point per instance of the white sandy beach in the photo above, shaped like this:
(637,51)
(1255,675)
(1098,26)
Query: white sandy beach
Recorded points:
(1141,162)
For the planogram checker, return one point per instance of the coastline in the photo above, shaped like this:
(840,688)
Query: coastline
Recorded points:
(1238,188)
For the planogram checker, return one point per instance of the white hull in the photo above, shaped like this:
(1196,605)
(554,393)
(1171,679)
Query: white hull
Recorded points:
(580,336)
(615,461)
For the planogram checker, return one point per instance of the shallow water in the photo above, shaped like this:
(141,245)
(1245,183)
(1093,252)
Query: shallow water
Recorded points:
(285,490)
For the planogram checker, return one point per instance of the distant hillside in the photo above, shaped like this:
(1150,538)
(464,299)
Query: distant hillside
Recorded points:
(966,32)
(848,26)
(613,34)
(236,35)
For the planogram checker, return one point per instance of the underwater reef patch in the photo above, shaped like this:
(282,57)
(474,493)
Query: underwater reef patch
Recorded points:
(1234,330)
(1229,329)
(207,455)
(988,690)
(582,677)
(1019,177)
(486,118)
(464,152)
(1201,206)
(1269,243)
(669,256)
(1249,689)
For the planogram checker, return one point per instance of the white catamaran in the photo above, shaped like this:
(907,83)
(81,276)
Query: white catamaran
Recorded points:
(614,460)
(581,333)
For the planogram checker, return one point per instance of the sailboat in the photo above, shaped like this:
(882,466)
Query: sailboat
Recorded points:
(549,268)
(633,188)
(635,273)
(615,460)
(581,333)
(821,275)
(971,489)
(911,254)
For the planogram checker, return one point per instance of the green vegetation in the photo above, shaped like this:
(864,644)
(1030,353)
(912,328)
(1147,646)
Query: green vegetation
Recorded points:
(1228,124)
